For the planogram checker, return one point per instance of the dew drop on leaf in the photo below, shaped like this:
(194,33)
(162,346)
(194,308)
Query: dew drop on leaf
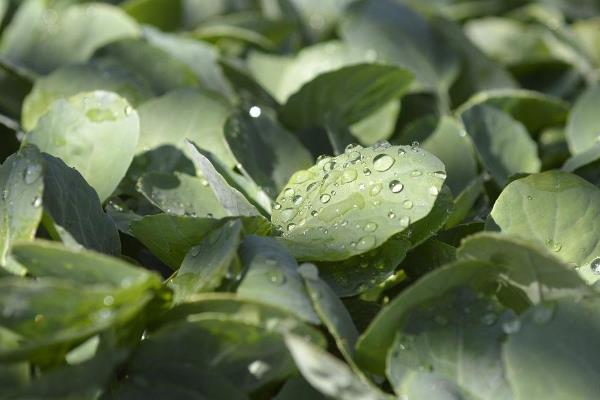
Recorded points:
(407,204)
(382,162)
(366,243)
(415,173)
(433,191)
(37,201)
(276,206)
(404,221)
(287,214)
(595,266)
(396,186)
(391,215)
(325,198)
(349,175)
(370,227)
(276,277)
(375,189)
(32,173)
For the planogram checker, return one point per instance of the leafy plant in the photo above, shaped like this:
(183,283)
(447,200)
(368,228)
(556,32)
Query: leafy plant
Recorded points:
(299,199)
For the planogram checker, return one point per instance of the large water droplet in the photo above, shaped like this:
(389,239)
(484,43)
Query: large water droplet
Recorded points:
(255,111)
(349,175)
(325,198)
(396,186)
(595,266)
(289,193)
(32,173)
(370,227)
(354,157)
(297,200)
(329,166)
(311,187)
(383,162)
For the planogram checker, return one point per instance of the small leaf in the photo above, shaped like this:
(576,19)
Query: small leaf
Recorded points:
(582,127)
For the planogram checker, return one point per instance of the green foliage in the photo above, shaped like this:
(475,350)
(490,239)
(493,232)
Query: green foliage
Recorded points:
(299,199)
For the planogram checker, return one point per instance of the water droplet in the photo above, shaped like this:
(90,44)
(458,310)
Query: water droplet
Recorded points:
(297,200)
(349,175)
(325,198)
(489,319)
(329,166)
(407,204)
(529,197)
(370,227)
(433,191)
(382,162)
(396,186)
(311,187)
(554,246)
(391,215)
(289,193)
(32,173)
(595,266)
(511,327)
(354,157)
(415,173)
(108,300)
(255,111)
(401,152)
(404,221)
(366,243)
(128,110)
(276,277)
(414,146)
(375,189)
(440,174)
(288,214)
(276,206)
(37,201)
(366,171)
(350,147)
(291,227)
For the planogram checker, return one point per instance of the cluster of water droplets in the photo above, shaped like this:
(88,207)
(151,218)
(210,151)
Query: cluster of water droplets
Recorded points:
(320,198)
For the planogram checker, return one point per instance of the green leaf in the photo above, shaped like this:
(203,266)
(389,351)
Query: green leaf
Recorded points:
(71,80)
(251,133)
(378,192)
(400,36)
(298,389)
(503,144)
(331,311)
(272,277)
(527,266)
(75,209)
(525,106)
(547,337)
(170,237)
(174,117)
(465,201)
(20,198)
(375,342)
(456,337)
(162,71)
(582,126)
(346,95)
(41,38)
(557,210)
(52,260)
(181,194)
(329,375)
(164,14)
(73,127)
(207,265)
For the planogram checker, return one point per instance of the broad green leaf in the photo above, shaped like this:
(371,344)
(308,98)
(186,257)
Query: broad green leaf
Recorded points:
(329,375)
(375,342)
(21,189)
(164,14)
(427,257)
(245,85)
(319,16)
(532,269)
(250,311)
(582,127)
(347,95)
(271,275)
(49,315)
(456,337)
(234,202)
(186,114)
(199,56)
(170,237)
(298,389)
(331,311)
(71,80)
(208,264)
(94,132)
(12,375)
(362,272)
(281,154)
(162,71)
(465,201)
(588,35)
(181,194)
(559,337)
(245,354)
(42,38)
(52,260)
(536,111)
(446,139)
(400,36)
(75,210)
(377,192)
(503,143)
(557,210)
